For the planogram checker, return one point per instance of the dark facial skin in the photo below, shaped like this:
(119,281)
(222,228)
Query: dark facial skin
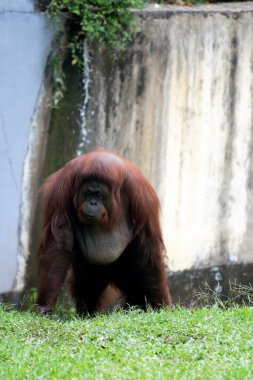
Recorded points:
(101,239)
(94,203)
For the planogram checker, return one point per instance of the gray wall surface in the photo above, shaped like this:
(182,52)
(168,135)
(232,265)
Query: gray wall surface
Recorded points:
(179,104)
(25,40)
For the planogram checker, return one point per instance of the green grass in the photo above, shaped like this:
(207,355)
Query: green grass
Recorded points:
(208,343)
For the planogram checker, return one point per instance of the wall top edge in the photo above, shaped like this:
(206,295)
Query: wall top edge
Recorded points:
(166,11)
(163,11)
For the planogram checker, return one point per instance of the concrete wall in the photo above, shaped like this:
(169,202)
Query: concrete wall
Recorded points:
(179,103)
(25,40)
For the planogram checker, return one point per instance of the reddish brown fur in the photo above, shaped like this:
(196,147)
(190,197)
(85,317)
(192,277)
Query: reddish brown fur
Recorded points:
(139,272)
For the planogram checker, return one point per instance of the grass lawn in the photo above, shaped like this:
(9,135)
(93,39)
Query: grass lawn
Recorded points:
(208,343)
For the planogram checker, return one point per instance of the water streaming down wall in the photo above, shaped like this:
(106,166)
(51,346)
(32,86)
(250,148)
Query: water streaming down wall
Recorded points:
(179,104)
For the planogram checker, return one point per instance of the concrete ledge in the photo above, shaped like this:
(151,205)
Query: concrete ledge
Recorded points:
(11,298)
(185,285)
(166,11)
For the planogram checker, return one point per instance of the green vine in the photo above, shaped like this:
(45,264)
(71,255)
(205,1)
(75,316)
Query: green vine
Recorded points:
(109,21)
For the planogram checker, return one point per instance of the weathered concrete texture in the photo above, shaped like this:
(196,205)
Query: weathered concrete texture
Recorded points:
(179,104)
(231,284)
(227,285)
(63,140)
(25,41)
(224,8)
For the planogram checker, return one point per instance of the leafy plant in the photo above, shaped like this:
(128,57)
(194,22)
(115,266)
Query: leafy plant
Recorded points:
(110,21)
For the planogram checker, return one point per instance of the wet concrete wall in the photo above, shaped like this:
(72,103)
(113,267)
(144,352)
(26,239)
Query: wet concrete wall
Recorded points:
(179,104)
(25,40)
